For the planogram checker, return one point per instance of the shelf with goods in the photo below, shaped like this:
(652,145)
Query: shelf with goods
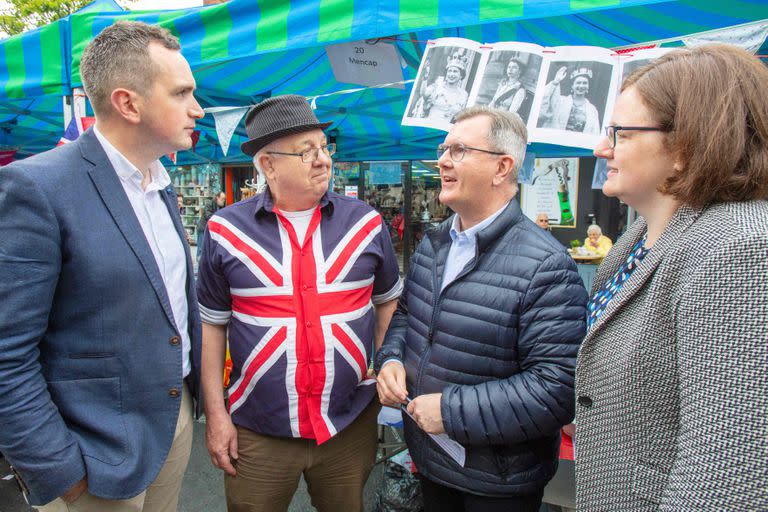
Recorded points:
(195,198)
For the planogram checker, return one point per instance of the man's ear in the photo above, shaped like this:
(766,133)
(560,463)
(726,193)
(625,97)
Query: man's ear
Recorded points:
(503,170)
(127,105)
(265,164)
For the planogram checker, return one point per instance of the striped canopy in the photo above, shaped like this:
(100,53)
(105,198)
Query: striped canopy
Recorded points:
(244,50)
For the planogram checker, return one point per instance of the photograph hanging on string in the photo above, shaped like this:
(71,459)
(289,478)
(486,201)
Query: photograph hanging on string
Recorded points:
(576,89)
(561,93)
(446,75)
(509,78)
(553,190)
(639,58)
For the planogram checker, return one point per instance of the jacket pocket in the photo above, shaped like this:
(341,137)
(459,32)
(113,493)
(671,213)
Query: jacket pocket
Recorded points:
(92,355)
(648,483)
(92,410)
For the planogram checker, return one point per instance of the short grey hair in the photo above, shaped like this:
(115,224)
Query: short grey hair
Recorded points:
(261,177)
(119,57)
(594,228)
(270,146)
(255,161)
(507,133)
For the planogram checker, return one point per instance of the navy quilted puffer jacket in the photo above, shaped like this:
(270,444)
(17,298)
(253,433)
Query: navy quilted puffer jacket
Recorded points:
(500,343)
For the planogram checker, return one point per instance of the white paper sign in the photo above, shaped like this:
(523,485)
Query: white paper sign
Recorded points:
(363,63)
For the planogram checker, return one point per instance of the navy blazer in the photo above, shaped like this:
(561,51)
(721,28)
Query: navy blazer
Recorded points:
(90,359)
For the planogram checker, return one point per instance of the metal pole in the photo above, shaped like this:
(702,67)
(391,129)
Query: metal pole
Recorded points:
(407,209)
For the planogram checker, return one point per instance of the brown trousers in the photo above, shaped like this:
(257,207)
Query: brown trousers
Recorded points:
(162,495)
(269,468)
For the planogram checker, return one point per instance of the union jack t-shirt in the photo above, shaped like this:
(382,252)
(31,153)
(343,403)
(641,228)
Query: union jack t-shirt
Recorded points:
(299,313)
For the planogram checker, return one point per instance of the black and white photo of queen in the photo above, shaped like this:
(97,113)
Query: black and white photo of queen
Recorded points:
(509,81)
(571,112)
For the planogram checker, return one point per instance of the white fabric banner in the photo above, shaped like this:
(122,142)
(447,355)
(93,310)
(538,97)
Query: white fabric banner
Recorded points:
(749,37)
(226,119)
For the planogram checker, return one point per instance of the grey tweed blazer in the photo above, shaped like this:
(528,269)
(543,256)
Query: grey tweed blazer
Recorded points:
(671,379)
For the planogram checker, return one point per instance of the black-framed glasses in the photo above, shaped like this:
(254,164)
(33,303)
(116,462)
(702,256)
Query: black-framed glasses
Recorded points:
(311,154)
(457,150)
(610,131)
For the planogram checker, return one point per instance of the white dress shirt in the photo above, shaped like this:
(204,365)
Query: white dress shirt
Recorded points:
(162,237)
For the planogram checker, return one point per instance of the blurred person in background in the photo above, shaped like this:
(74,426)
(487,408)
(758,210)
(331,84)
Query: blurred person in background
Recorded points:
(542,220)
(596,242)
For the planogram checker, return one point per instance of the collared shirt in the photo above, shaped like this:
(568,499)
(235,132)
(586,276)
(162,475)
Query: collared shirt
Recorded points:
(162,237)
(463,245)
(300,315)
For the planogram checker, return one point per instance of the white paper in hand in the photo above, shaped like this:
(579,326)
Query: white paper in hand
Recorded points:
(454,450)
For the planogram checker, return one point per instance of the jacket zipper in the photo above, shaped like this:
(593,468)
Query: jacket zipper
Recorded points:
(437,302)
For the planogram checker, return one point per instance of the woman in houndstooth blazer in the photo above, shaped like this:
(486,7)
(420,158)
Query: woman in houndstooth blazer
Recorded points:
(671,379)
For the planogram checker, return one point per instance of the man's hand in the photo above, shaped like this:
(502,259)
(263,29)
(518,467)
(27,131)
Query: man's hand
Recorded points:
(425,409)
(221,440)
(391,384)
(76,491)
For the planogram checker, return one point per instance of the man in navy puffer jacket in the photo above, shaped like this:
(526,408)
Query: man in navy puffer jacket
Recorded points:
(486,333)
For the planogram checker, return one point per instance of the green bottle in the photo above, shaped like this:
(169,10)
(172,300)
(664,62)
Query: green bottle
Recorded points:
(566,217)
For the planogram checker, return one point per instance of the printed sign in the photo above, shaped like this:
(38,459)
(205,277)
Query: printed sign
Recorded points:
(364,63)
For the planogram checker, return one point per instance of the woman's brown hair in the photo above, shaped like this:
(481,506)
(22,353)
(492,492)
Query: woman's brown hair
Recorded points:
(712,99)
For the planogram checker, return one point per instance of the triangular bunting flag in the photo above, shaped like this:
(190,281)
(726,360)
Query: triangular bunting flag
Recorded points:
(70,134)
(7,156)
(86,122)
(75,129)
(226,119)
(195,139)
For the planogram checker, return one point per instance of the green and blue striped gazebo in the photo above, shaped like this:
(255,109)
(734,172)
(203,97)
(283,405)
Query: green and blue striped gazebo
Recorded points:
(244,50)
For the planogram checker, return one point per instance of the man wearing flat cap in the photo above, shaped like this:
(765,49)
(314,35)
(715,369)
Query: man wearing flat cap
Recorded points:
(303,282)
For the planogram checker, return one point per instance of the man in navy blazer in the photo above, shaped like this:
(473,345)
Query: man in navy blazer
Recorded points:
(99,326)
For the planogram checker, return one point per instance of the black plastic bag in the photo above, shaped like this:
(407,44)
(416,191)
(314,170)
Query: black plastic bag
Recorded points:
(399,492)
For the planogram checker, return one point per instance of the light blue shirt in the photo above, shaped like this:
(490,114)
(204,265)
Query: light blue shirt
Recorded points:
(464,246)
(461,252)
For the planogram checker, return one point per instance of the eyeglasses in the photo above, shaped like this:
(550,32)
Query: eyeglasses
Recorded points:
(311,154)
(457,151)
(610,131)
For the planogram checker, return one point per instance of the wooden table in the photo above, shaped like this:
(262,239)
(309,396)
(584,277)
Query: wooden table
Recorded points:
(586,258)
